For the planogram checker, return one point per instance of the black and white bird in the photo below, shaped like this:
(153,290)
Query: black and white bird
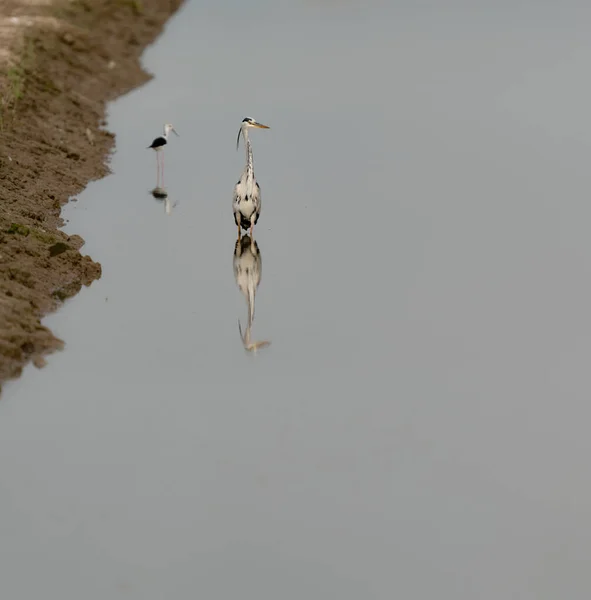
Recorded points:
(246,202)
(157,145)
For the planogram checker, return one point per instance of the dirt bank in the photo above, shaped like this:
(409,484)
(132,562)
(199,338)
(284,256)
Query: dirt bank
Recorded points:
(61,62)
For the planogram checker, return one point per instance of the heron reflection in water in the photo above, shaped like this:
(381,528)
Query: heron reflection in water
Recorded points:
(247,272)
(246,202)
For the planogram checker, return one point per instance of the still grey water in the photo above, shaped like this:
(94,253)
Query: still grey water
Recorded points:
(418,427)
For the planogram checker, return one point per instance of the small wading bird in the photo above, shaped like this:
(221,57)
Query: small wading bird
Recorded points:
(157,145)
(246,203)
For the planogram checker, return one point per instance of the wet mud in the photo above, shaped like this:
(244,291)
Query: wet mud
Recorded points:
(61,63)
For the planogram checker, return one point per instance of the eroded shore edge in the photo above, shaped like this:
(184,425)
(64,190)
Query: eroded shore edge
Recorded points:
(65,61)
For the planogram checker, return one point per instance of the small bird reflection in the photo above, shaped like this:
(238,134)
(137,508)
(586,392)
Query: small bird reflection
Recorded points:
(247,272)
(161,194)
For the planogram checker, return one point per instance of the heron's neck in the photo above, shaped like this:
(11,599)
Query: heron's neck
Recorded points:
(249,165)
(165,136)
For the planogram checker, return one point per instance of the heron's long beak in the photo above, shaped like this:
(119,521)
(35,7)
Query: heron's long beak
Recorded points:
(175,131)
(261,126)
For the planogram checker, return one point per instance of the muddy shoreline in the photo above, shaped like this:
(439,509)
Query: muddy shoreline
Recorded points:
(65,61)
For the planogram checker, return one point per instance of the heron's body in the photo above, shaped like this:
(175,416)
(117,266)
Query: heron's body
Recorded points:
(246,202)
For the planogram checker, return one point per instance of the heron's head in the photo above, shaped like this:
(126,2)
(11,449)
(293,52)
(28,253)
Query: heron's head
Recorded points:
(168,128)
(248,123)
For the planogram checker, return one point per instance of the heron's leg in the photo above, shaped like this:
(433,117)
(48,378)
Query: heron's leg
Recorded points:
(253,218)
(162,159)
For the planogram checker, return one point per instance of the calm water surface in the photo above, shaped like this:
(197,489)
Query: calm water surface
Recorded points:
(418,427)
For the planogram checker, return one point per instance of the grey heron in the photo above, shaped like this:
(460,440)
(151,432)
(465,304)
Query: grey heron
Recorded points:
(246,202)
(157,145)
